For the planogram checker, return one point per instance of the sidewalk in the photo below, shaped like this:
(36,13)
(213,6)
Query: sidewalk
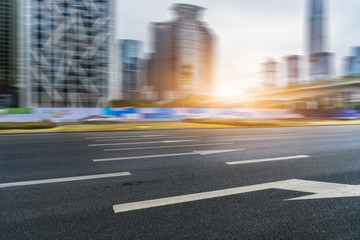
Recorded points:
(185,125)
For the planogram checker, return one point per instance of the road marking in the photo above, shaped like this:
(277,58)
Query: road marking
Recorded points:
(319,190)
(171,146)
(132,139)
(267,160)
(205,152)
(68,179)
(141,136)
(136,143)
(36,134)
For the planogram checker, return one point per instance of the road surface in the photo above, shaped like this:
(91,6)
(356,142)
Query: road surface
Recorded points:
(260,183)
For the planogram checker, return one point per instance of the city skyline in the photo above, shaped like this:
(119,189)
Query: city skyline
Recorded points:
(241,51)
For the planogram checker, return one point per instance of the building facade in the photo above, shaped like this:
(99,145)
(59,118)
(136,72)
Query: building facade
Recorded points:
(66,52)
(320,61)
(8,38)
(182,62)
(352,63)
(293,69)
(8,54)
(271,74)
(132,69)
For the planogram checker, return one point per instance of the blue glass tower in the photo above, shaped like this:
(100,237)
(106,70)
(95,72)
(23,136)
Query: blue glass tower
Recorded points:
(320,60)
(131,68)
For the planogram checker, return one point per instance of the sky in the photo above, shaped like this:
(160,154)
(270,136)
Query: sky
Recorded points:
(249,32)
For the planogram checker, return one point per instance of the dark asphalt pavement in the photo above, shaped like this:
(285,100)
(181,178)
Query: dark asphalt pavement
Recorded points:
(167,164)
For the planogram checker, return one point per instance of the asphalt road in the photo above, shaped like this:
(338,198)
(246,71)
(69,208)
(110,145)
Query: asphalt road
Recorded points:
(270,183)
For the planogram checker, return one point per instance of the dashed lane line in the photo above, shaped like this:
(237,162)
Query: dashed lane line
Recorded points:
(267,160)
(60,180)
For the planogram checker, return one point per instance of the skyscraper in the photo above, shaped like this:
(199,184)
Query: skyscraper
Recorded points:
(8,54)
(271,74)
(293,69)
(352,63)
(131,68)
(319,59)
(8,39)
(182,62)
(66,52)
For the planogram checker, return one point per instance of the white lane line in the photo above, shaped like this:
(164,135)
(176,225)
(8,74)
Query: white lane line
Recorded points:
(141,136)
(68,179)
(37,134)
(208,152)
(136,143)
(171,146)
(133,139)
(267,160)
(319,190)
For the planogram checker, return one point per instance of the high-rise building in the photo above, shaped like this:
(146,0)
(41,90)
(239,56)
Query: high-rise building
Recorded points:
(132,68)
(352,63)
(320,61)
(8,39)
(66,50)
(293,69)
(271,74)
(182,62)
(8,54)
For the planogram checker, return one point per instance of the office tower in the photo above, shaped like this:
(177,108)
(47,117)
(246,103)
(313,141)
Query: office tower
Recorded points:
(352,63)
(271,74)
(293,69)
(182,62)
(131,68)
(8,39)
(8,58)
(66,50)
(319,59)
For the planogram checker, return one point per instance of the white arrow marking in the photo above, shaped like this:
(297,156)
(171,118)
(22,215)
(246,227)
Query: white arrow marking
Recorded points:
(137,143)
(69,179)
(171,146)
(127,137)
(320,190)
(267,160)
(132,139)
(167,155)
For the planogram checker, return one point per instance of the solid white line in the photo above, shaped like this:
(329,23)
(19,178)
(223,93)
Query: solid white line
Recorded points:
(59,180)
(267,160)
(172,146)
(136,143)
(141,136)
(204,152)
(133,139)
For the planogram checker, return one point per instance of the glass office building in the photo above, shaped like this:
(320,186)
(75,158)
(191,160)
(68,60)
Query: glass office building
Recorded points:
(7,39)
(131,68)
(66,49)
(182,62)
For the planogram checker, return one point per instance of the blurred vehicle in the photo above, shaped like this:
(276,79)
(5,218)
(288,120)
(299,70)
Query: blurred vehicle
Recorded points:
(194,117)
(98,119)
(236,117)
(292,116)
